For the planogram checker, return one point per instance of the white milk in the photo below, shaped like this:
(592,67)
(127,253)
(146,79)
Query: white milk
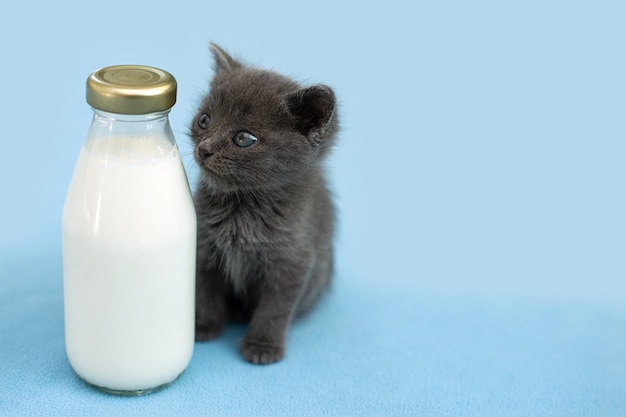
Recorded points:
(129,242)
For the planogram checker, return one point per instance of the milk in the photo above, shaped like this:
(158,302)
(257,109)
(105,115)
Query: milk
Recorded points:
(129,239)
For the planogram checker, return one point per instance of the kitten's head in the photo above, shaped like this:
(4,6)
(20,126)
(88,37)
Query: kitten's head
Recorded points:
(257,129)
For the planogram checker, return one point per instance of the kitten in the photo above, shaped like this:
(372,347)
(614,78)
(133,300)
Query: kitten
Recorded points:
(265,215)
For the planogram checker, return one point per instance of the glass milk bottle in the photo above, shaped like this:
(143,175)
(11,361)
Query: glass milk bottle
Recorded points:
(129,239)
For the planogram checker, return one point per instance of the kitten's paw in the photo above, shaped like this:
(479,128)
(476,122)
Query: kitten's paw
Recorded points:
(261,353)
(208,330)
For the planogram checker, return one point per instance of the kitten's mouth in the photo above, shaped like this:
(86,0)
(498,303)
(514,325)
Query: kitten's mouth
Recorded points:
(216,181)
(211,172)
(203,159)
(206,167)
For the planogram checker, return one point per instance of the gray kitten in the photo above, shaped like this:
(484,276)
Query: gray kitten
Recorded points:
(265,215)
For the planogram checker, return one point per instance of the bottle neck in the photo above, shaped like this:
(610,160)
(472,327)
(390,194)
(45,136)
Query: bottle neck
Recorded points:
(130,118)
(105,124)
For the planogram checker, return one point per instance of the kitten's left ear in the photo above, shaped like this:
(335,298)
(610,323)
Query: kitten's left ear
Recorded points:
(314,111)
(223,61)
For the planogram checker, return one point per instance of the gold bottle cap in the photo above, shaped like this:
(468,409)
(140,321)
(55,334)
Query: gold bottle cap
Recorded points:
(131,89)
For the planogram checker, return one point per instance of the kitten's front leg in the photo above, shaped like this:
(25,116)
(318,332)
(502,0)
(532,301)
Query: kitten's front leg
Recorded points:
(265,341)
(210,304)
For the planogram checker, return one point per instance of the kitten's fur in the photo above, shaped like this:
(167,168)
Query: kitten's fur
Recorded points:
(265,215)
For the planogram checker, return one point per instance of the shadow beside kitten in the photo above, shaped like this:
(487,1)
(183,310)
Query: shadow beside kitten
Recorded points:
(265,215)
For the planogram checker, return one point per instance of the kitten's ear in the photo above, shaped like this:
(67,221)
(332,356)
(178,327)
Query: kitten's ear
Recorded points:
(223,61)
(314,110)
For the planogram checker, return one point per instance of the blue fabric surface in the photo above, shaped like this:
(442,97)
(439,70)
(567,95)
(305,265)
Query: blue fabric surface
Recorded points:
(479,176)
(370,349)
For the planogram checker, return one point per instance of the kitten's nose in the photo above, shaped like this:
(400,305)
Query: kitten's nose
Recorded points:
(204,154)
(204,151)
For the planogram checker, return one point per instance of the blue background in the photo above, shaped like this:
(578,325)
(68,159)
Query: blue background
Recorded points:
(480,180)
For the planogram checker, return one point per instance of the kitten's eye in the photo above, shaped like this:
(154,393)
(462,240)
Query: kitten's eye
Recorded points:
(244,139)
(203,121)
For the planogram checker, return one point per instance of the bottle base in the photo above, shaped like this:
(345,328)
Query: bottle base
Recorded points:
(131,393)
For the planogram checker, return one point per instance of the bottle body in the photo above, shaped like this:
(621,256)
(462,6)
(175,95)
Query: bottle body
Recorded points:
(129,242)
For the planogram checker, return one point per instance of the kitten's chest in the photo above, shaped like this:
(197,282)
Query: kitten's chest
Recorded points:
(242,225)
